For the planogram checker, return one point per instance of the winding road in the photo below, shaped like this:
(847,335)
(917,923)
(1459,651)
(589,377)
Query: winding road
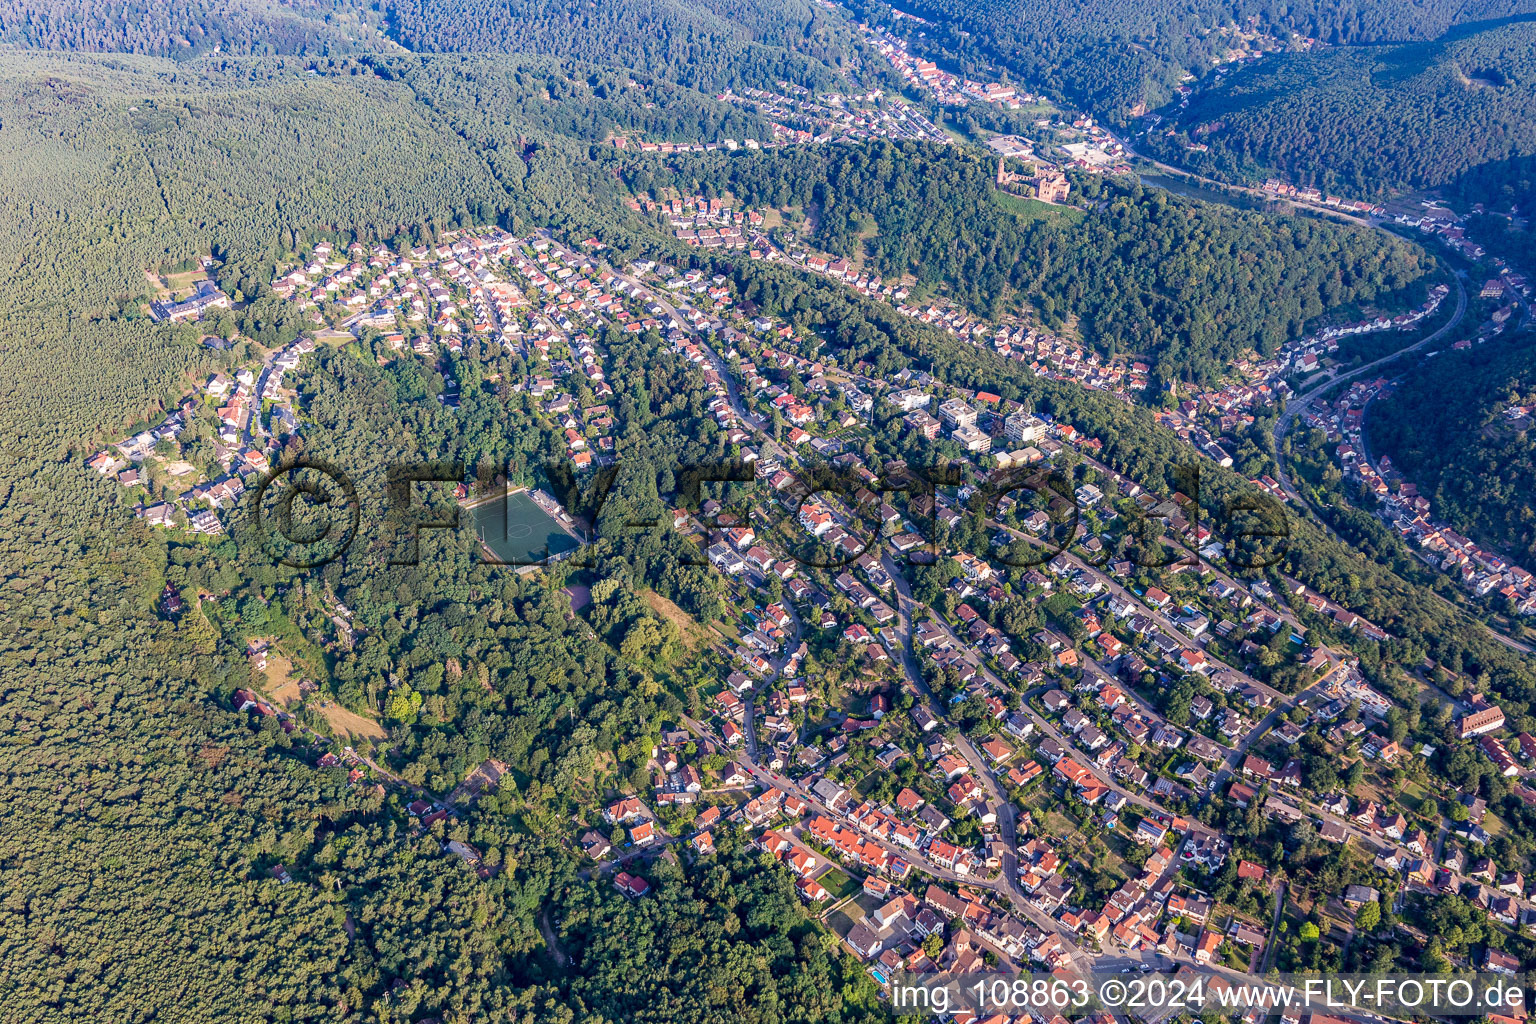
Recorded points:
(1298,405)
(1301,402)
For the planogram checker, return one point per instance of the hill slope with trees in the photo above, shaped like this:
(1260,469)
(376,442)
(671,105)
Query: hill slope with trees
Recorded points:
(191,28)
(1115,56)
(1447,429)
(704,43)
(1188,284)
(1368,120)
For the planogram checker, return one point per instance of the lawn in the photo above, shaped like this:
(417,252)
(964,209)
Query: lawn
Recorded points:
(184,284)
(1034,209)
(334,338)
(1412,796)
(837,882)
(868,904)
(867,784)
(694,635)
(282,680)
(1058,824)
(349,723)
(840,923)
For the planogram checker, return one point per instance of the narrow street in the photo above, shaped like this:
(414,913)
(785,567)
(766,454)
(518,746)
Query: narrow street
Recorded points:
(1299,404)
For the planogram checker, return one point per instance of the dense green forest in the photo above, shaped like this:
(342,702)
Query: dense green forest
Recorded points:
(1501,190)
(191,28)
(1113,56)
(1365,121)
(1499,185)
(111,172)
(567,99)
(1190,285)
(146,816)
(704,43)
(1447,430)
(693,42)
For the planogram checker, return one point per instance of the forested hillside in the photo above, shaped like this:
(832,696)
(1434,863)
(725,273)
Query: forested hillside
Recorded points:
(704,43)
(1113,55)
(1448,430)
(708,43)
(146,817)
(1369,120)
(1501,185)
(1503,189)
(112,172)
(190,28)
(1190,285)
(548,100)
(1376,21)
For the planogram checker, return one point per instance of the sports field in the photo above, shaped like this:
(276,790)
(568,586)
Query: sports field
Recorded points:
(518,531)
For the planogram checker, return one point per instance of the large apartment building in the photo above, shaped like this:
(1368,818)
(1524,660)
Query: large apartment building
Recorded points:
(1024,427)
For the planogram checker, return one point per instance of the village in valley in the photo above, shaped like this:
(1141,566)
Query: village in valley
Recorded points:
(1410,514)
(1206,418)
(725,512)
(954,782)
